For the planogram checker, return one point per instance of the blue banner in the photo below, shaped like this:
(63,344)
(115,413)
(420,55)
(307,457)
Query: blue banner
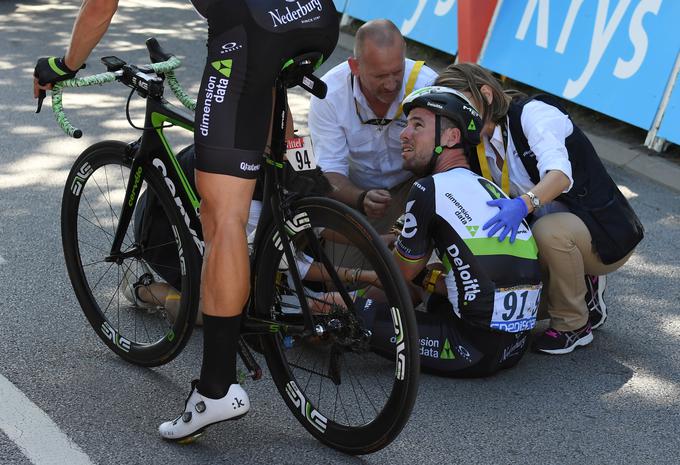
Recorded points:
(340,5)
(613,56)
(431,22)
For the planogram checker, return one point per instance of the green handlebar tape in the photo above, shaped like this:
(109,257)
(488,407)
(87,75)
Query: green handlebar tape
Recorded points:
(165,67)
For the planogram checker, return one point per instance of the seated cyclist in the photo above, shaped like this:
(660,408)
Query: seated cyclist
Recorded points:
(485,293)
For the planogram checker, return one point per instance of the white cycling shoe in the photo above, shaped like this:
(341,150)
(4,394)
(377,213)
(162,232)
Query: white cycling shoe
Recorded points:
(201,412)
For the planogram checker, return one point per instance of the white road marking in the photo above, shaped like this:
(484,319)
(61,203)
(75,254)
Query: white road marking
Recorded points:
(34,432)
(2,260)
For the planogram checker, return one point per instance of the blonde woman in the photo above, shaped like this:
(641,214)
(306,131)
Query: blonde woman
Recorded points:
(583,225)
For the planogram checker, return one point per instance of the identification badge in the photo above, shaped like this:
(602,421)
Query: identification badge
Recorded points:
(515,309)
(300,153)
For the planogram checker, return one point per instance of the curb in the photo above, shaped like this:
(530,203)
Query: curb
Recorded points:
(635,159)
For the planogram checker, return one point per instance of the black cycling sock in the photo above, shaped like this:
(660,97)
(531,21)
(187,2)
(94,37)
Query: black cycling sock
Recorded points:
(220,343)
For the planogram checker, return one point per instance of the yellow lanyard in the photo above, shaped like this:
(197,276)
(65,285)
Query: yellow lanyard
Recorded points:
(411,83)
(484,165)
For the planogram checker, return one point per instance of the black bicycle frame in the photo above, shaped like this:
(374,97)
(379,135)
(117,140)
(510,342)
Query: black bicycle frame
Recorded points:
(273,210)
(152,151)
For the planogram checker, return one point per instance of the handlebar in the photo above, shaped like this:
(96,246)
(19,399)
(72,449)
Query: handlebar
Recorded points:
(138,78)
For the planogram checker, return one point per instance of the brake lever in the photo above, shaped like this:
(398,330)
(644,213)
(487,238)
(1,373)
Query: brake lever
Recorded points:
(41,96)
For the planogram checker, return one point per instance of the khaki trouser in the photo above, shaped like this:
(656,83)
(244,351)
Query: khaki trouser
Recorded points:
(343,255)
(566,254)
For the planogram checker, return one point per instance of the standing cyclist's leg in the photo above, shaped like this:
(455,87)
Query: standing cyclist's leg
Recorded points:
(245,54)
(229,143)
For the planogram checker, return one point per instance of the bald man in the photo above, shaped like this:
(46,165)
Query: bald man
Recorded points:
(355,129)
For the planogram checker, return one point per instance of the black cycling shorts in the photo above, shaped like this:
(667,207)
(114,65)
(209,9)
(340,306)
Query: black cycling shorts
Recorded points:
(448,345)
(249,41)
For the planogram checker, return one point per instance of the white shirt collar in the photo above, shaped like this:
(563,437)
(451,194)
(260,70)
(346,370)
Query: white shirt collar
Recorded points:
(363,103)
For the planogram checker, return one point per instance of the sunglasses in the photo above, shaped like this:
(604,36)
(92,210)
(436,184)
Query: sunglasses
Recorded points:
(380,122)
(373,121)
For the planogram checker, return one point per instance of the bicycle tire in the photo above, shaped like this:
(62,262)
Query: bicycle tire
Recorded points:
(396,375)
(91,203)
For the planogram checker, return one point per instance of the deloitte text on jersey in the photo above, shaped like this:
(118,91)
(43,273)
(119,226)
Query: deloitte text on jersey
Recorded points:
(471,287)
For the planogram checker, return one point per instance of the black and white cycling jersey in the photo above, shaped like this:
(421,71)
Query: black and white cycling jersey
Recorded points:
(490,284)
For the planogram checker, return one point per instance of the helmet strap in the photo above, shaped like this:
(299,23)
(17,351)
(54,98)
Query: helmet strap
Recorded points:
(438,149)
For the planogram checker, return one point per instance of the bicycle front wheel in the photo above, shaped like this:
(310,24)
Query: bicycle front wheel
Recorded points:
(143,301)
(343,392)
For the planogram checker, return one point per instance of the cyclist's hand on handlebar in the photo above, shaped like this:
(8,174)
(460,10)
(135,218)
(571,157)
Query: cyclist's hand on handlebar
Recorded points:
(48,71)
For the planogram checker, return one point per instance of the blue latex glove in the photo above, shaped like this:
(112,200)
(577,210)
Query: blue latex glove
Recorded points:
(508,219)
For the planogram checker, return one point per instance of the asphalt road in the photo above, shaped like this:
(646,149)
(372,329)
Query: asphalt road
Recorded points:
(616,401)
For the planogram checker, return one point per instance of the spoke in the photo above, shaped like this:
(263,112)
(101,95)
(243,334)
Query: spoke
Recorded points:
(342,404)
(108,305)
(98,225)
(309,370)
(93,288)
(361,412)
(95,248)
(140,313)
(365,392)
(318,404)
(312,372)
(98,262)
(375,375)
(146,249)
(335,404)
(108,198)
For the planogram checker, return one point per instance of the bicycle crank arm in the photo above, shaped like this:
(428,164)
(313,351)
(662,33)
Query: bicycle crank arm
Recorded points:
(258,326)
(254,370)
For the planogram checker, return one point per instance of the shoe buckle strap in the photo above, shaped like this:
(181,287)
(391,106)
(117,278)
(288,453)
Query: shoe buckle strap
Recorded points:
(200,407)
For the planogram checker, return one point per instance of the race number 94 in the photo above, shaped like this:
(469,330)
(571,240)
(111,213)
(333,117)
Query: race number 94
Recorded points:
(300,153)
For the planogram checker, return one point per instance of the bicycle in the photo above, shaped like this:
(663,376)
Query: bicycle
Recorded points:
(367,397)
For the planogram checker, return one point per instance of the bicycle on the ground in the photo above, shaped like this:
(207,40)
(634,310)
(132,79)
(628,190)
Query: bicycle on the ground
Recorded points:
(317,348)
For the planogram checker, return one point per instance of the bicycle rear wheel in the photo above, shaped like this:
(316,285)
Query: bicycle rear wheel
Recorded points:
(342,392)
(143,302)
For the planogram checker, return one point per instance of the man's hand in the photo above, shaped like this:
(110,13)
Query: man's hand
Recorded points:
(508,219)
(376,203)
(48,71)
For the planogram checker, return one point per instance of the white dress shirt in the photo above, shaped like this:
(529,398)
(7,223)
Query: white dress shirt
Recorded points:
(369,155)
(546,129)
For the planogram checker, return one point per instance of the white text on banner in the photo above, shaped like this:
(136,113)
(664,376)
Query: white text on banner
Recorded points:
(613,56)
(431,22)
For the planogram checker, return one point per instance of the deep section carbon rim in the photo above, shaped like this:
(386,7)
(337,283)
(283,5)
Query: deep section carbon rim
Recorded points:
(138,304)
(342,390)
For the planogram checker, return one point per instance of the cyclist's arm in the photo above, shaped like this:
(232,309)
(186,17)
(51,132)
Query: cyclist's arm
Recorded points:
(413,247)
(90,26)
(344,190)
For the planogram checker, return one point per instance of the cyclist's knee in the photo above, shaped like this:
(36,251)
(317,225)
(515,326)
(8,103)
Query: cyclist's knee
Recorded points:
(220,221)
(225,201)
